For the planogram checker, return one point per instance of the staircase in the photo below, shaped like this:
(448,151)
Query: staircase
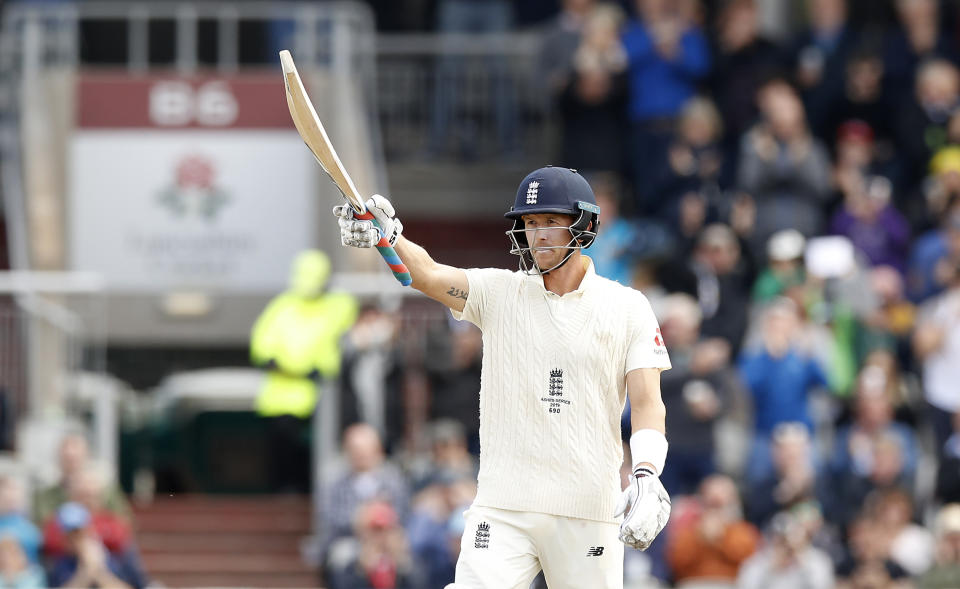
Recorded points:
(214,541)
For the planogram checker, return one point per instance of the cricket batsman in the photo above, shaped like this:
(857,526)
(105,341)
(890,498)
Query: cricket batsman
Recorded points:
(562,347)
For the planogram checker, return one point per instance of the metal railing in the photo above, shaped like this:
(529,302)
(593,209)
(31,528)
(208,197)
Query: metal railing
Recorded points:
(53,352)
(462,97)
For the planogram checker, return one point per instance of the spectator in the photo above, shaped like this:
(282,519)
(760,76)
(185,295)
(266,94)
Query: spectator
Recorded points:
(689,180)
(16,570)
(945,572)
(86,489)
(788,561)
(865,561)
(876,229)
(14,521)
(593,102)
(948,474)
(890,326)
(780,376)
(744,58)
(668,54)
(695,393)
(719,275)
(785,271)
(783,166)
(936,343)
(910,545)
(371,375)
(436,512)
(936,252)
(863,101)
(856,443)
(378,557)
(819,57)
(711,546)
(887,472)
(793,479)
(74,457)
(919,37)
(922,121)
(87,563)
(449,458)
(902,386)
(941,190)
(369,477)
(860,152)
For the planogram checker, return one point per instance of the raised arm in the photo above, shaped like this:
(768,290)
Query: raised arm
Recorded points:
(440,282)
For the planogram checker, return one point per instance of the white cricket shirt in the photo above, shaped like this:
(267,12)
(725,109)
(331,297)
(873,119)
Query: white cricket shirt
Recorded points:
(553,387)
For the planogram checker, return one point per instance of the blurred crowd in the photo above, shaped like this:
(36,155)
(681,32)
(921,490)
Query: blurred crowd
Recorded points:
(75,532)
(791,208)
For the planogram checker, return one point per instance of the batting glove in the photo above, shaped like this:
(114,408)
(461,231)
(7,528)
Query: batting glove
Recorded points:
(647,507)
(365,233)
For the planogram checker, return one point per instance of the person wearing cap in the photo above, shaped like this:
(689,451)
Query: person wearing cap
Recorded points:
(785,270)
(562,349)
(87,562)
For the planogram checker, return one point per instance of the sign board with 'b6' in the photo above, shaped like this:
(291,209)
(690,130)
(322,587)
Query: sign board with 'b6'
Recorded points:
(196,182)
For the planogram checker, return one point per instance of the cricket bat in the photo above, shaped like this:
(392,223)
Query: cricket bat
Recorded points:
(315,136)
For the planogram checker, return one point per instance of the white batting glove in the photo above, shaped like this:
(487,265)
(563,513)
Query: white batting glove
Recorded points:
(365,233)
(382,211)
(646,506)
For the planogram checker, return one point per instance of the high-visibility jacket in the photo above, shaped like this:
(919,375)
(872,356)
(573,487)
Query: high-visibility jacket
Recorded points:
(302,336)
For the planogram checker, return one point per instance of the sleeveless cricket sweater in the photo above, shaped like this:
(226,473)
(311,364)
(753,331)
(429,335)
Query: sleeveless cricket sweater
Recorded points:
(553,387)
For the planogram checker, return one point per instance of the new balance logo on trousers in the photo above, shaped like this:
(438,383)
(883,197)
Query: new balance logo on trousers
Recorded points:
(595,551)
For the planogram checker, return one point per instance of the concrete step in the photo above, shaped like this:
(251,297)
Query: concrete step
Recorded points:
(216,542)
(182,562)
(225,541)
(199,504)
(202,523)
(264,579)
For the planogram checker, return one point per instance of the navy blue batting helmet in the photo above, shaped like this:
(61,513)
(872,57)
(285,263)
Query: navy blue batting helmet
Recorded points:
(554,190)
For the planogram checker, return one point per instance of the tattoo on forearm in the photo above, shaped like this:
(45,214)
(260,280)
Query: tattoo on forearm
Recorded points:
(458,293)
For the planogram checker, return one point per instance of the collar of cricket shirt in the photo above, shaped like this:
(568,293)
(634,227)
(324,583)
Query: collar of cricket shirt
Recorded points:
(589,277)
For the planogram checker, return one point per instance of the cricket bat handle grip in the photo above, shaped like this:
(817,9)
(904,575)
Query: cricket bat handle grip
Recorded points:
(399,269)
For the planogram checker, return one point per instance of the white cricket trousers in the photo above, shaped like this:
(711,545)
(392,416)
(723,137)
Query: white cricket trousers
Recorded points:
(503,549)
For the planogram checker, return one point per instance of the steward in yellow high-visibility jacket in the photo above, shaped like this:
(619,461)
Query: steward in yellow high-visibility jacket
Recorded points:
(297,338)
